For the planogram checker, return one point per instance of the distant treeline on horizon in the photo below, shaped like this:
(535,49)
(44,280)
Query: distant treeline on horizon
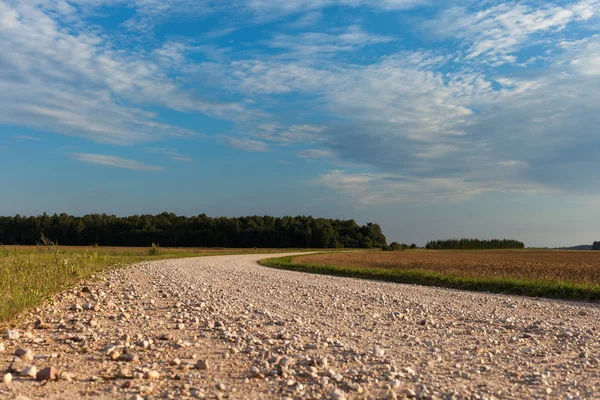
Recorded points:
(170,230)
(474,244)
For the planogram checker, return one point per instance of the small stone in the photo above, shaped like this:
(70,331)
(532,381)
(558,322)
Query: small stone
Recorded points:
(30,371)
(66,376)
(125,373)
(12,334)
(47,374)
(286,361)
(21,353)
(202,364)
(410,393)
(128,357)
(136,397)
(337,394)
(221,386)
(181,327)
(39,324)
(2,348)
(175,362)
(146,389)
(378,351)
(152,375)
(7,378)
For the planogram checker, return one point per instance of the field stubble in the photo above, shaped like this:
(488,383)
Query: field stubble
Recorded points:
(581,267)
(538,273)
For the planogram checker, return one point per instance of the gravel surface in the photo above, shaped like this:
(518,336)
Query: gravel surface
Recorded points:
(224,327)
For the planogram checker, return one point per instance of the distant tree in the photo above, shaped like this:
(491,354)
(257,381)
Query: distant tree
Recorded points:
(413,246)
(596,246)
(395,246)
(171,230)
(474,244)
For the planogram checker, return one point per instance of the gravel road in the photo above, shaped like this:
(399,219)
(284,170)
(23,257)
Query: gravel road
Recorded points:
(224,327)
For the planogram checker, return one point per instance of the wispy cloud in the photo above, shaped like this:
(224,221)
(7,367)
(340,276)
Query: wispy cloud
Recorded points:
(497,32)
(117,162)
(247,144)
(315,153)
(379,188)
(171,154)
(83,84)
(309,44)
(26,137)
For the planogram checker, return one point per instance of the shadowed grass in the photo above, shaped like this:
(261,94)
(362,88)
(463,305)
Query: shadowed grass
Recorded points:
(523,287)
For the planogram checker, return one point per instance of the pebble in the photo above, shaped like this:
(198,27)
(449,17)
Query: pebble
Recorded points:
(202,364)
(12,334)
(152,374)
(378,351)
(30,371)
(7,378)
(129,357)
(47,374)
(23,353)
(337,394)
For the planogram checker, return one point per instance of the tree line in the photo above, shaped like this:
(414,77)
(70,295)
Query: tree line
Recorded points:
(474,244)
(596,246)
(170,230)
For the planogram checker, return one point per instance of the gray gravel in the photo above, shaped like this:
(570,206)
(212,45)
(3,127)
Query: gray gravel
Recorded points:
(224,327)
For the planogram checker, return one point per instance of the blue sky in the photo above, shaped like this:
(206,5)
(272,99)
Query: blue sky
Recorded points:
(434,119)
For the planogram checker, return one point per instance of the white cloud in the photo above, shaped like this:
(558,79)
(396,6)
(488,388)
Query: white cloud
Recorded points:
(371,189)
(497,32)
(289,135)
(82,84)
(27,137)
(247,144)
(512,163)
(171,154)
(315,153)
(308,44)
(277,8)
(117,162)
(584,55)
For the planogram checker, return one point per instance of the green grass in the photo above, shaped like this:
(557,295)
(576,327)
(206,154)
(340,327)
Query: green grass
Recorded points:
(533,288)
(30,275)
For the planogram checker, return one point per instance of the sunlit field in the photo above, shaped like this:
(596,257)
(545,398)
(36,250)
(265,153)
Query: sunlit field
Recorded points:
(548,273)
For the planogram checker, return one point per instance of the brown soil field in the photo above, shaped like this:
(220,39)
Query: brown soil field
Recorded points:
(582,267)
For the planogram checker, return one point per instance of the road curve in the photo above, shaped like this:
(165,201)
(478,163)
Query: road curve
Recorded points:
(225,327)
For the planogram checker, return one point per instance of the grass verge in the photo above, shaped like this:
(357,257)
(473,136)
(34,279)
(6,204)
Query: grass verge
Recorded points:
(31,274)
(523,287)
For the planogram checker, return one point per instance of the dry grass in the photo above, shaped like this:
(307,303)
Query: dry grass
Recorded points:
(581,267)
(557,274)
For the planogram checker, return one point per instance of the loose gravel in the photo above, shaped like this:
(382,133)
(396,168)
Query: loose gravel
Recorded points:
(226,328)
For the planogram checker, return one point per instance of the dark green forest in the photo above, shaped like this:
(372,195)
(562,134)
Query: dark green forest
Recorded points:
(170,230)
(596,246)
(474,244)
